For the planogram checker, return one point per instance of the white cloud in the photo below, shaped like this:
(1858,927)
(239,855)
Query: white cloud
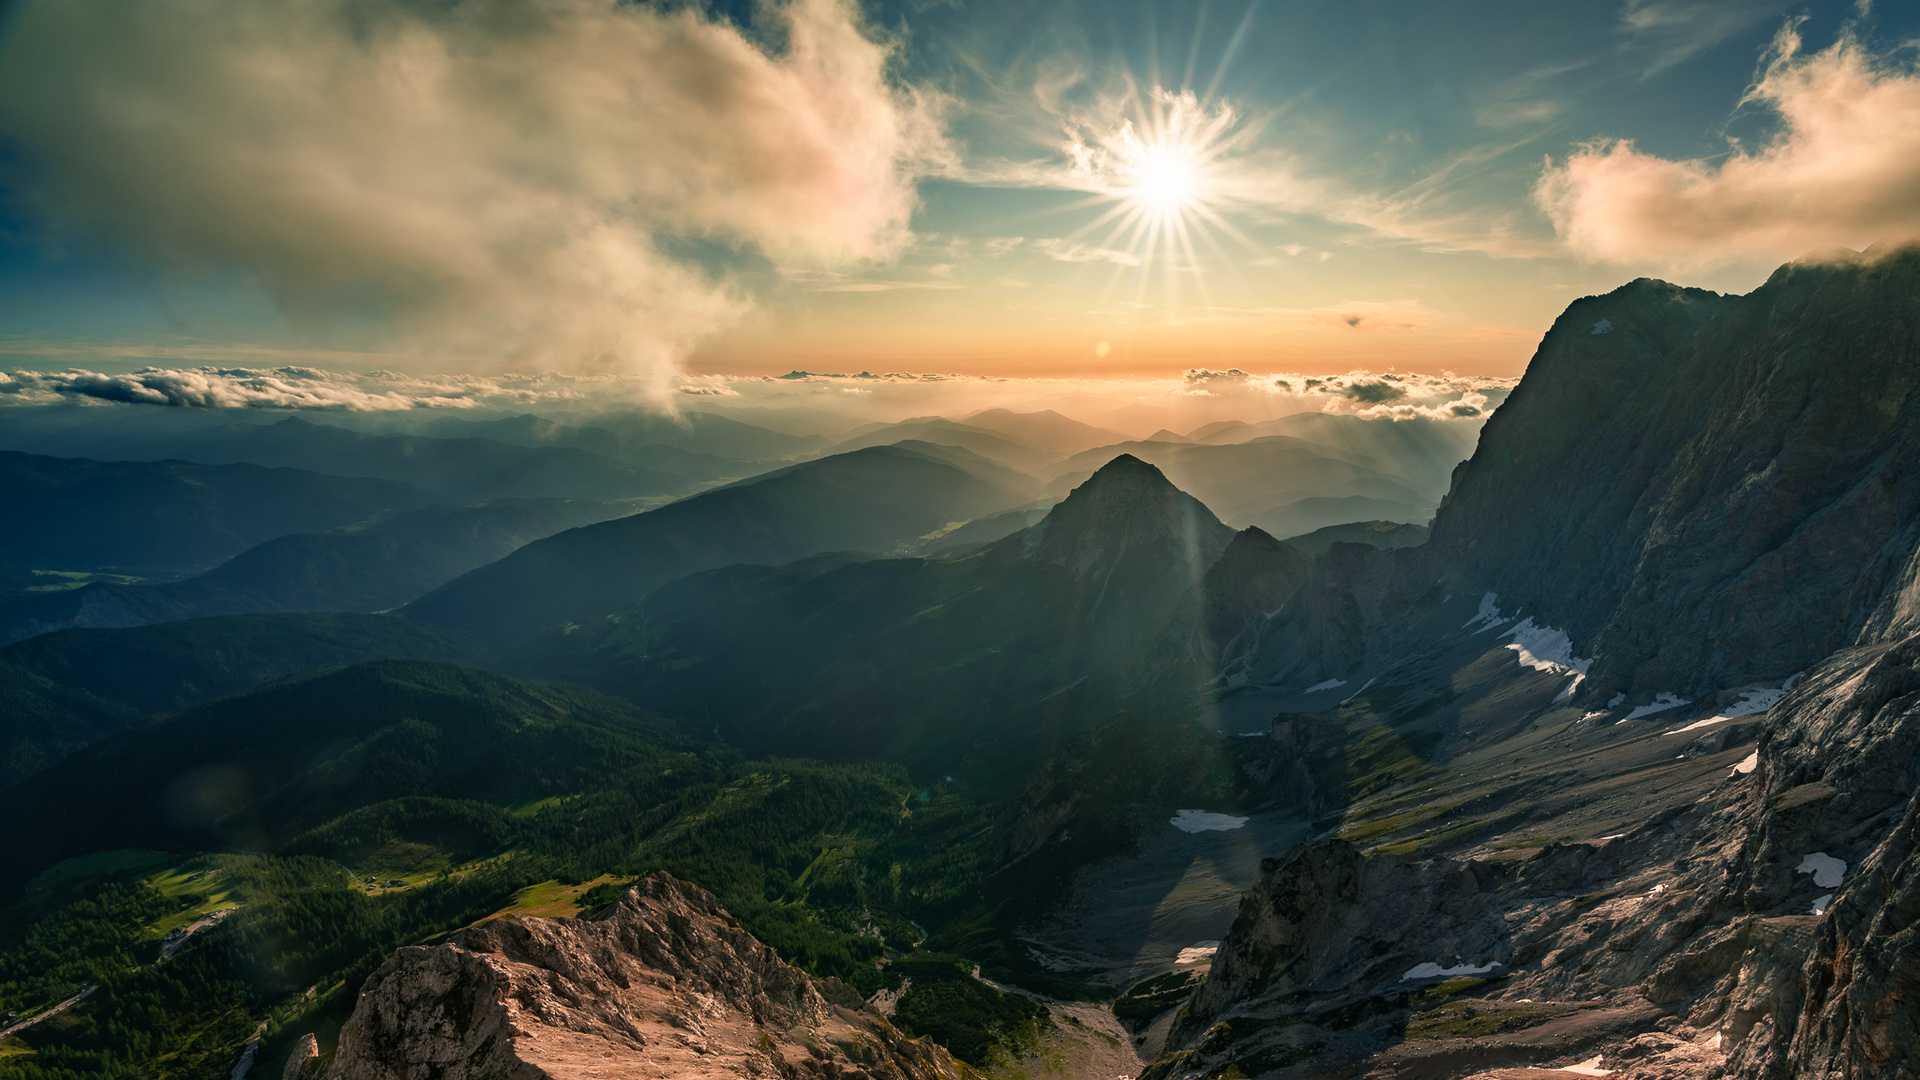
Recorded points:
(1231,393)
(1844,169)
(307,388)
(1061,249)
(522,177)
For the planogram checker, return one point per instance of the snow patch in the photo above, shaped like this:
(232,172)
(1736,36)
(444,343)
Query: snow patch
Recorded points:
(1571,687)
(1546,648)
(1752,703)
(1431,970)
(1604,326)
(1591,1066)
(1489,615)
(1747,764)
(1591,715)
(1827,871)
(1362,690)
(1614,701)
(1820,904)
(1660,703)
(1328,685)
(1199,821)
(1198,951)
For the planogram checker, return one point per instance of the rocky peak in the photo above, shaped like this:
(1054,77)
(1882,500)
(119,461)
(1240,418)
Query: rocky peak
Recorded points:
(664,982)
(1700,491)
(1129,506)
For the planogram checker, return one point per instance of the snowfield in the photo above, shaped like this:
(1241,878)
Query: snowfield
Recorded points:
(1199,821)
(1661,703)
(1431,970)
(1827,871)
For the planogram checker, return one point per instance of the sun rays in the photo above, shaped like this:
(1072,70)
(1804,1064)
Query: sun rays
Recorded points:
(1161,176)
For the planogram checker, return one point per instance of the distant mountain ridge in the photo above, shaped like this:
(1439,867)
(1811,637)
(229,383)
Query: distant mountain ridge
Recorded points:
(1119,595)
(1283,484)
(464,469)
(871,500)
(367,568)
(76,513)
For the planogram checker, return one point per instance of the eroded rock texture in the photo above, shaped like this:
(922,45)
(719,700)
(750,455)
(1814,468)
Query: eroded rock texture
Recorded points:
(1753,522)
(664,984)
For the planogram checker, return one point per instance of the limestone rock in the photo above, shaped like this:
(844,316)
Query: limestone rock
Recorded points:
(304,1062)
(664,983)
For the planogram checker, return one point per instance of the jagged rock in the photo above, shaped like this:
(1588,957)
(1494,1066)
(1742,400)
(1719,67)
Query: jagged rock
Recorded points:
(1252,581)
(1757,517)
(304,1062)
(1716,493)
(1330,922)
(664,983)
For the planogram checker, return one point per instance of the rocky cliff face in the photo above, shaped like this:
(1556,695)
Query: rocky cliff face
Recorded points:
(1765,932)
(665,983)
(1750,910)
(1702,491)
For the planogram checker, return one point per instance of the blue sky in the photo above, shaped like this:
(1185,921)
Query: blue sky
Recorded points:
(920,185)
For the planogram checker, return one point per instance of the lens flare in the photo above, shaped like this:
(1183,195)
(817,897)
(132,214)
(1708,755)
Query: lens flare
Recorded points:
(1166,179)
(1162,175)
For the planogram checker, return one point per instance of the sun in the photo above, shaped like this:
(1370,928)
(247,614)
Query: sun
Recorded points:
(1163,176)
(1166,179)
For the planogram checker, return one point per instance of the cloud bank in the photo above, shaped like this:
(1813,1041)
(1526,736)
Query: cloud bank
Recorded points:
(1844,169)
(526,178)
(308,388)
(1134,405)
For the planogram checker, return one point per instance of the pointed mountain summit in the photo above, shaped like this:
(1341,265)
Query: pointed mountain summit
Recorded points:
(934,662)
(1127,508)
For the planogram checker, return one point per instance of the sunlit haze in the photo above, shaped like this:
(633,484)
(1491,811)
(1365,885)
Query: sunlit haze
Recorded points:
(1089,189)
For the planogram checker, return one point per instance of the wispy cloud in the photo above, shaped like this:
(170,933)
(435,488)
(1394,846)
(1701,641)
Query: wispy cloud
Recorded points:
(1064,250)
(1670,32)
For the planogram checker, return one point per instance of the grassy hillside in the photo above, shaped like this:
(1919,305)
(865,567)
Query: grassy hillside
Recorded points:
(252,771)
(386,804)
(64,690)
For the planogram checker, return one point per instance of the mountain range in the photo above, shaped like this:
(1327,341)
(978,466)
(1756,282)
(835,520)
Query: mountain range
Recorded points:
(1037,746)
(872,500)
(369,566)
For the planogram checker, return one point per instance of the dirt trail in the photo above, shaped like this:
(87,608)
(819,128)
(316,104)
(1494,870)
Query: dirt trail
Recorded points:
(22,1025)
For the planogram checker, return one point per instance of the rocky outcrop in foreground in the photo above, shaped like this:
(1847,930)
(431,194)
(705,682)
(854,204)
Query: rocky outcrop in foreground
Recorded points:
(1770,931)
(663,984)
